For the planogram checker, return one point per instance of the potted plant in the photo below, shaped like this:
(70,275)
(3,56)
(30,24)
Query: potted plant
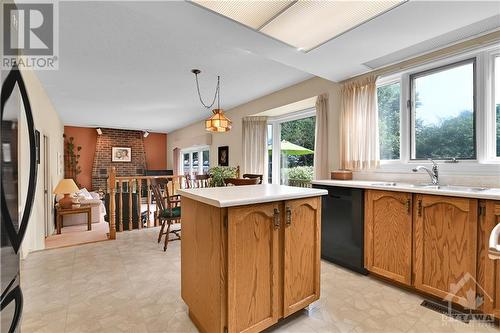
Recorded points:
(219,173)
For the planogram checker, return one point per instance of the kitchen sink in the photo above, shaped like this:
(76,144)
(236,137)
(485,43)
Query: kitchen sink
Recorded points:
(452,188)
(462,188)
(385,184)
(457,188)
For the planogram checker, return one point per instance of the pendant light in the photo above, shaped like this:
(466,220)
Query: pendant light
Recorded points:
(218,122)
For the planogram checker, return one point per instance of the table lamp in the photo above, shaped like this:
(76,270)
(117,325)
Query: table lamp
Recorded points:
(66,187)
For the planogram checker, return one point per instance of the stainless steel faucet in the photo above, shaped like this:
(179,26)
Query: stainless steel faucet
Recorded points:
(433,173)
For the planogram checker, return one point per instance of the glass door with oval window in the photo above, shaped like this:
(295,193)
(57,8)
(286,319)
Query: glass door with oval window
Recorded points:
(195,161)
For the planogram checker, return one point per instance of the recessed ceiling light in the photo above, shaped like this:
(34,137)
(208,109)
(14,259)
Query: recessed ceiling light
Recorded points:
(302,24)
(308,24)
(253,14)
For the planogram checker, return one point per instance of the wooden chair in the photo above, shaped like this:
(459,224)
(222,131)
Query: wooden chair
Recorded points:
(241,181)
(252,176)
(166,214)
(202,181)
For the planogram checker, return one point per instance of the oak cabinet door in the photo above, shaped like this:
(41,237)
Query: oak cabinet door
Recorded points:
(253,250)
(446,247)
(302,224)
(491,293)
(388,234)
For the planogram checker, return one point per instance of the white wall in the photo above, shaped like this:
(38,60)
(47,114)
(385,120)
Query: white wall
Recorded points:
(46,121)
(196,132)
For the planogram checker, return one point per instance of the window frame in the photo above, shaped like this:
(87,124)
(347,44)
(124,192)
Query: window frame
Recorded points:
(385,81)
(276,123)
(490,129)
(486,163)
(412,109)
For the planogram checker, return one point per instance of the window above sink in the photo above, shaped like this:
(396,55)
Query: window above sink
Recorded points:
(448,110)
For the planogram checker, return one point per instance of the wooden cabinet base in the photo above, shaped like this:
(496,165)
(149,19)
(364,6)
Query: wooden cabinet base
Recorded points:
(435,246)
(243,268)
(489,269)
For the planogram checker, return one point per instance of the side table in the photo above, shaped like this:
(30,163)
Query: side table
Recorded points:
(82,209)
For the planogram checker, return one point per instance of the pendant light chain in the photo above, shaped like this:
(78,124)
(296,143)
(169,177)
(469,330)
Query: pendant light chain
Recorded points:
(218,92)
(216,96)
(218,122)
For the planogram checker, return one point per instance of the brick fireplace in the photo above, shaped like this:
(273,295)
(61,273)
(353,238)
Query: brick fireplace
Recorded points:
(102,157)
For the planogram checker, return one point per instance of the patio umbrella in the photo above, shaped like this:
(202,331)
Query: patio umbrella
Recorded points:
(292,149)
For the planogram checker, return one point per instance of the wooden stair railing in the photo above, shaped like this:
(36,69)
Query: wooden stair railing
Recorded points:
(127,187)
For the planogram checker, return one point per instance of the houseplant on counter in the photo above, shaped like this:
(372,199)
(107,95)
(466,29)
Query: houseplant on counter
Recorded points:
(219,173)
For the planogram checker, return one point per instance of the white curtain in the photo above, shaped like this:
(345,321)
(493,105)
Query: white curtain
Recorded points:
(321,142)
(359,141)
(255,154)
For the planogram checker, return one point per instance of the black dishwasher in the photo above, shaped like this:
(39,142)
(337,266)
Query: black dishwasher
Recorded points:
(342,227)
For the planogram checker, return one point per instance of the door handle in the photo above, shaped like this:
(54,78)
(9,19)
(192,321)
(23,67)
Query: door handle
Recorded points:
(408,206)
(494,243)
(288,213)
(419,207)
(16,236)
(276,218)
(17,296)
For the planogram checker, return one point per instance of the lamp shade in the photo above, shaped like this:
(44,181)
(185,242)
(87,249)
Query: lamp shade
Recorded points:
(218,122)
(66,186)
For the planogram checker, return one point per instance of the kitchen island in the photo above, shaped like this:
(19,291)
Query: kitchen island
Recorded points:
(250,255)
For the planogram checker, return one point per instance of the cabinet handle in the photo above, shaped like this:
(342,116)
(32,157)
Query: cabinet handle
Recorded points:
(276,218)
(288,212)
(408,206)
(419,207)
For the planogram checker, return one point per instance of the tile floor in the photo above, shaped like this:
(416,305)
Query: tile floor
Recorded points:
(78,234)
(131,285)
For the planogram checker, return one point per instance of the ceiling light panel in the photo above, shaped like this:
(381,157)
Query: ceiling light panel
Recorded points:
(308,24)
(251,13)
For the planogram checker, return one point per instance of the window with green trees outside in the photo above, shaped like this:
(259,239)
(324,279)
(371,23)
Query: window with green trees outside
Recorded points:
(389,114)
(443,113)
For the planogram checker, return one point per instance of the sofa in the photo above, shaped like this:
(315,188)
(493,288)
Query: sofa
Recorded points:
(84,197)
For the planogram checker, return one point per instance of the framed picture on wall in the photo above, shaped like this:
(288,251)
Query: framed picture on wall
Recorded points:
(121,154)
(224,156)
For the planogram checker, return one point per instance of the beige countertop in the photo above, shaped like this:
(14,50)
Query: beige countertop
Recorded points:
(448,190)
(230,196)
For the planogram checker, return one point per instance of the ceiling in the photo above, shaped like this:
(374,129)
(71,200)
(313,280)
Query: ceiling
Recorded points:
(302,24)
(127,64)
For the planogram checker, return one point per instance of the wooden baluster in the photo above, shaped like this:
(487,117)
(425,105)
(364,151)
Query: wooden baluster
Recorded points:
(175,184)
(156,211)
(139,190)
(130,210)
(112,206)
(180,182)
(148,221)
(120,200)
(170,186)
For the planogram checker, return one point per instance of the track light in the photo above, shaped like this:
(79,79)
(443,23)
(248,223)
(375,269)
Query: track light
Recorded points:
(146,133)
(99,130)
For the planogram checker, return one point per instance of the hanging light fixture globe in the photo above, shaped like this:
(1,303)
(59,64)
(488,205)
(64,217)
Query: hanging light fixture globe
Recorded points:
(218,122)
